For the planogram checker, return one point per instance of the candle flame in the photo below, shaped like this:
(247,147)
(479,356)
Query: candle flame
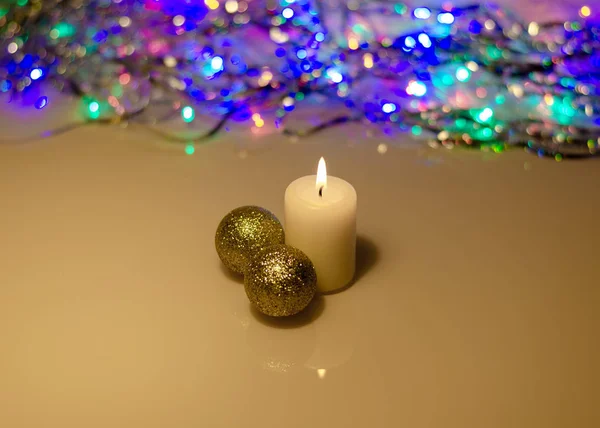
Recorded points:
(321,175)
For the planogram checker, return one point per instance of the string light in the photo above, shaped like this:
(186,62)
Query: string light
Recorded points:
(425,40)
(416,88)
(35,74)
(258,120)
(334,75)
(93,110)
(485,115)
(216,59)
(585,11)
(445,18)
(188,114)
(388,108)
(265,78)
(533,29)
(212,4)
(41,102)
(231,6)
(217,63)
(422,13)
(352,43)
(463,74)
(473,66)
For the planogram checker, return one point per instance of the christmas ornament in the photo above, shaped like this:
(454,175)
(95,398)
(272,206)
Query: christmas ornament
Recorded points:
(243,233)
(280,281)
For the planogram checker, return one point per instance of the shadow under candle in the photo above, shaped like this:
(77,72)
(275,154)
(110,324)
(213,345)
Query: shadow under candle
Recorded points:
(367,257)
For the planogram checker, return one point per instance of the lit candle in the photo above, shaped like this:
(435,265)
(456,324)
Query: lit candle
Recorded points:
(320,220)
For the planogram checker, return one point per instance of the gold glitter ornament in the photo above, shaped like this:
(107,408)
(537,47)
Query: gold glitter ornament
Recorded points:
(243,233)
(280,281)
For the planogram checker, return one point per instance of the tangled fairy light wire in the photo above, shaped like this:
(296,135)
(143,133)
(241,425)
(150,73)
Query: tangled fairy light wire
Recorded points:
(475,76)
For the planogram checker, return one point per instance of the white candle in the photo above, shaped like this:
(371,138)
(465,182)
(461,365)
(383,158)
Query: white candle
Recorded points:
(320,220)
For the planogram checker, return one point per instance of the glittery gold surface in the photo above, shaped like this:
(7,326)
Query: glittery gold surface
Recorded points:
(281,281)
(243,233)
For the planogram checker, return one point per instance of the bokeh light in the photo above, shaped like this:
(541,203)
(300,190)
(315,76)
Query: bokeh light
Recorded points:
(188,114)
(455,72)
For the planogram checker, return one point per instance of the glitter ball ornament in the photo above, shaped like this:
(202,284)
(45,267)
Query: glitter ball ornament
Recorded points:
(243,233)
(280,281)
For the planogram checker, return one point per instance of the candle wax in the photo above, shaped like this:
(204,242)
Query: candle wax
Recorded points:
(324,228)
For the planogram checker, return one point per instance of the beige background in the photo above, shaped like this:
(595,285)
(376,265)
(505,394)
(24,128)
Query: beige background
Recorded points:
(476,302)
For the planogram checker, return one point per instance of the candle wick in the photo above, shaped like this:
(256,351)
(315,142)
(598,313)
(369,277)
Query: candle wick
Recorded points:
(321,191)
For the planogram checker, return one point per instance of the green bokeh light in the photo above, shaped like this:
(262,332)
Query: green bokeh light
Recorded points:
(494,52)
(563,110)
(447,79)
(117,91)
(487,133)
(188,114)
(400,9)
(91,107)
(461,123)
(64,29)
